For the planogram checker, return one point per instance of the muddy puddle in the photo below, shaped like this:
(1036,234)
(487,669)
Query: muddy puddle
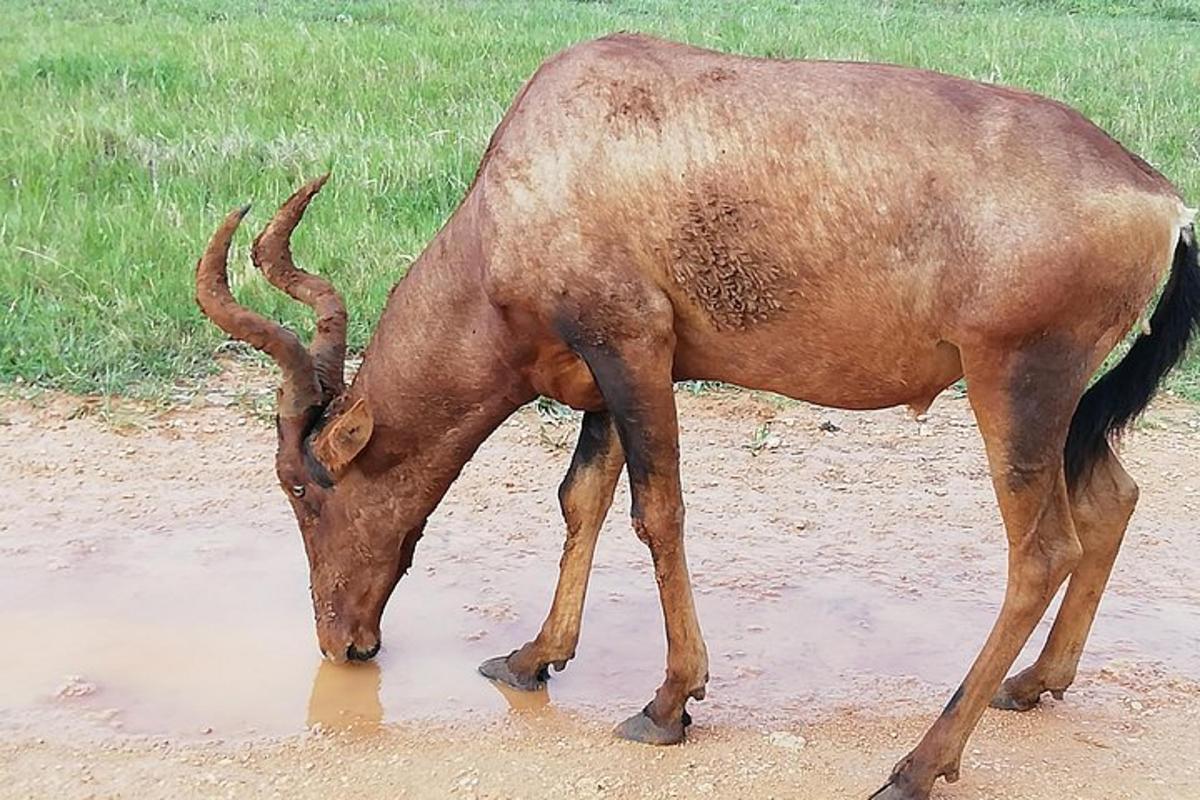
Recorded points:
(164,592)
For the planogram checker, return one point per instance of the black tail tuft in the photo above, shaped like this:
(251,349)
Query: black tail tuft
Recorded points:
(1123,393)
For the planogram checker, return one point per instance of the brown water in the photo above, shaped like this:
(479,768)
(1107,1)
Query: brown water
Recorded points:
(168,596)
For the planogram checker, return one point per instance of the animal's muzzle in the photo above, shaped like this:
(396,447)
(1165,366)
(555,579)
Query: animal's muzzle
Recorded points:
(354,654)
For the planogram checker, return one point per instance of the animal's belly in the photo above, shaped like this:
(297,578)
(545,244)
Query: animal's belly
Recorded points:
(841,374)
(838,371)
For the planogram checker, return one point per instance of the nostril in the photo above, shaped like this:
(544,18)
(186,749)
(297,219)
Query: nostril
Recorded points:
(354,654)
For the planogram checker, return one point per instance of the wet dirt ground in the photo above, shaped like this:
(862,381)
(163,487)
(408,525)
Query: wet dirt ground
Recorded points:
(159,643)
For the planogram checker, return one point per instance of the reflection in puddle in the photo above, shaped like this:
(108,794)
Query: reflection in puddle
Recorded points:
(345,697)
(524,703)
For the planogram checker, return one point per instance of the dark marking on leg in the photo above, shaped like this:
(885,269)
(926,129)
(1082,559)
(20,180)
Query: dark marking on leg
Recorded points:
(593,439)
(958,693)
(611,375)
(594,442)
(1036,438)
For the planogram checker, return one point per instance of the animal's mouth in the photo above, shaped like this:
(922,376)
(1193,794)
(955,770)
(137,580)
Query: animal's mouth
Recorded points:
(354,653)
(346,648)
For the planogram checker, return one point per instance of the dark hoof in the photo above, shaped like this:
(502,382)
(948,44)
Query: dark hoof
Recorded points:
(1011,702)
(898,790)
(640,728)
(1018,695)
(909,782)
(1024,691)
(497,669)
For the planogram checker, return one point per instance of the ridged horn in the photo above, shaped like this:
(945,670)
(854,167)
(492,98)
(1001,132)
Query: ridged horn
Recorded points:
(300,389)
(272,254)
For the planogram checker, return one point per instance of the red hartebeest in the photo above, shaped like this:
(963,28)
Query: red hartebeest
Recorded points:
(854,235)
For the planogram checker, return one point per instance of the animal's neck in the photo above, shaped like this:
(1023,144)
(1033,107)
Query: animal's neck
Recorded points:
(440,375)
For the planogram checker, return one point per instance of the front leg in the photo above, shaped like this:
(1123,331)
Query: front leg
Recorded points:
(585,496)
(635,379)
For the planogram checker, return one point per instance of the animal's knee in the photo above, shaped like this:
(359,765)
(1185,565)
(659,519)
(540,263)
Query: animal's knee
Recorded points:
(1060,561)
(568,494)
(1052,558)
(1058,544)
(1126,490)
(639,528)
(584,497)
(1106,501)
(658,525)
(564,490)
(1041,563)
(1064,559)
(1109,480)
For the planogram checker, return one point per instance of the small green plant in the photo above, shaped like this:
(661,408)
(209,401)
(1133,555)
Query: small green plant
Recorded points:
(697,388)
(762,439)
(553,412)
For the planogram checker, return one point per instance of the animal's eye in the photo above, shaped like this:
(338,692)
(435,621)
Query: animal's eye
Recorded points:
(298,490)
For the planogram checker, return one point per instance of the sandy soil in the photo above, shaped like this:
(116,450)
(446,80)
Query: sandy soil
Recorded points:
(159,642)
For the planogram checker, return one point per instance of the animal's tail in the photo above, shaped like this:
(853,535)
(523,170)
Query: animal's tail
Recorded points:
(1115,400)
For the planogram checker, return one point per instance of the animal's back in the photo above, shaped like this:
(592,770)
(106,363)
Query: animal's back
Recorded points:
(897,209)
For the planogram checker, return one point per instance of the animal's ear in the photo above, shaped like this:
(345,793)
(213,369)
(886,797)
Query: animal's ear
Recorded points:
(344,437)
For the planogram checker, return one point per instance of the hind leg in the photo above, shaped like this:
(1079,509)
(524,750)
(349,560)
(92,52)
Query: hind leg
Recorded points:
(1101,507)
(1023,400)
(585,496)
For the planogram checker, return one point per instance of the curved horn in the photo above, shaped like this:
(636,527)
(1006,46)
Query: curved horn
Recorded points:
(272,254)
(300,389)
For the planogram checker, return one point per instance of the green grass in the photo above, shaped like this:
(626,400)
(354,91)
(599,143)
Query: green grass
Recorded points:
(129,128)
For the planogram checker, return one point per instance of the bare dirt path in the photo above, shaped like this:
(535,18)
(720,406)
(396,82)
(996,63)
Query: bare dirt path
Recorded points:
(158,638)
